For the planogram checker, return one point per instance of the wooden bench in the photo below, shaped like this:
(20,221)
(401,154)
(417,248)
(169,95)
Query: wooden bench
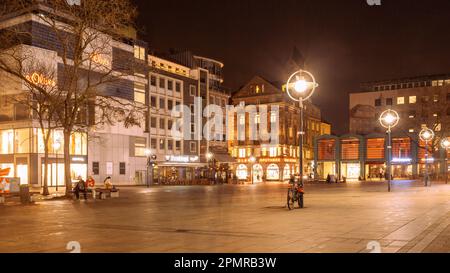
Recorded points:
(105,193)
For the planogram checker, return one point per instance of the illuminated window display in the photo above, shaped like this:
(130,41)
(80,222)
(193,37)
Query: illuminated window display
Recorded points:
(7,142)
(242,172)
(287,172)
(258,173)
(273,172)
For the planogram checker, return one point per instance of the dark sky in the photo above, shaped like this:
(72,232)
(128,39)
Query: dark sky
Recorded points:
(345,42)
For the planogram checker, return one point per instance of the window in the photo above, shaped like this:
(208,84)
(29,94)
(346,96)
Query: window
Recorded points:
(192,91)
(170,144)
(162,144)
(435,98)
(242,120)
(153,122)
(139,53)
(242,153)
(7,142)
(122,168)
(273,151)
(178,87)
(153,80)
(178,145)
(378,102)
(170,105)
(96,168)
(193,147)
(162,124)
(412,114)
(140,146)
(412,99)
(411,130)
(153,101)
(153,143)
(162,103)
(139,92)
(425,99)
(400,100)
(169,124)
(389,101)
(170,85)
(162,83)
(273,117)
(22,140)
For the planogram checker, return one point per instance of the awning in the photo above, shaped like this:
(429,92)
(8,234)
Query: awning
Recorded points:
(224,158)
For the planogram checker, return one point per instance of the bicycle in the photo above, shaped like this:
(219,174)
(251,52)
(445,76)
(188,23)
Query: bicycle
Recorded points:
(295,194)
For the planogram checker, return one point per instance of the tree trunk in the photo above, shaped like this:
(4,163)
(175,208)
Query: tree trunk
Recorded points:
(45,191)
(67,174)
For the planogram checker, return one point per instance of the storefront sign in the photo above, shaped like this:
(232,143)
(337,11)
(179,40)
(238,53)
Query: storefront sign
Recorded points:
(401,160)
(40,79)
(181,158)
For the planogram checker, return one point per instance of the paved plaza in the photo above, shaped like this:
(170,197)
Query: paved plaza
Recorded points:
(237,219)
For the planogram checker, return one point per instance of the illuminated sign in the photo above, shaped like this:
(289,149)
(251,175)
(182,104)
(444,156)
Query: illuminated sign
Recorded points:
(401,160)
(181,158)
(40,79)
(78,159)
(98,59)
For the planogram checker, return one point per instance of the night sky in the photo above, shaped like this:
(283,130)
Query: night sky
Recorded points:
(345,42)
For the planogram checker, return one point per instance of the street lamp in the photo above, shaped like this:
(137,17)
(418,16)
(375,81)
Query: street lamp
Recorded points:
(150,157)
(252,160)
(426,135)
(300,87)
(389,119)
(445,143)
(56,147)
(209,157)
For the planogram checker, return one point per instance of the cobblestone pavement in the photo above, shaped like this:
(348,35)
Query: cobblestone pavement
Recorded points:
(248,218)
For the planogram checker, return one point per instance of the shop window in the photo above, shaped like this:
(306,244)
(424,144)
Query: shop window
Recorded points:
(327,149)
(242,172)
(273,172)
(122,168)
(96,168)
(401,148)
(350,149)
(7,142)
(22,140)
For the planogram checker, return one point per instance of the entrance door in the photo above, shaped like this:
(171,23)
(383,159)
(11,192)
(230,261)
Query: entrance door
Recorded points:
(258,173)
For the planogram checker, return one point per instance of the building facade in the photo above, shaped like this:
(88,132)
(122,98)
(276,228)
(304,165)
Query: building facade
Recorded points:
(272,161)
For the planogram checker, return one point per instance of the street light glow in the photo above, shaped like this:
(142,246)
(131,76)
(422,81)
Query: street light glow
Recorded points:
(446,143)
(301,86)
(390,119)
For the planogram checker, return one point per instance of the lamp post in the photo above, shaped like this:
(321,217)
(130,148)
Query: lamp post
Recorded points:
(426,135)
(389,119)
(252,160)
(56,147)
(300,87)
(209,157)
(150,157)
(445,143)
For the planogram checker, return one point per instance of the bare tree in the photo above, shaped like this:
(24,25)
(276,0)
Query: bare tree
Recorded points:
(82,37)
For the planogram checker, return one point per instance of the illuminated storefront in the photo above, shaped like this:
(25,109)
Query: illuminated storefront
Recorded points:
(375,162)
(402,163)
(326,153)
(22,150)
(350,158)
(242,172)
(273,172)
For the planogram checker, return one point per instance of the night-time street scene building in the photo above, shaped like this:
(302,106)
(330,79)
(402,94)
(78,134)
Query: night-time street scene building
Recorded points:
(232,127)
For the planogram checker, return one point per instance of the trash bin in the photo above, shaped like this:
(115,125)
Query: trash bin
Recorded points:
(25,197)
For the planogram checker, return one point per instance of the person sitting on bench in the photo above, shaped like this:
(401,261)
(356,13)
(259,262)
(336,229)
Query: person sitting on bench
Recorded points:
(80,187)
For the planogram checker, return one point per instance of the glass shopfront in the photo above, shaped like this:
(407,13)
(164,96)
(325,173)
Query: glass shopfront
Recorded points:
(375,170)
(258,173)
(242,172)
(326,168)
(273,172)
(351,171)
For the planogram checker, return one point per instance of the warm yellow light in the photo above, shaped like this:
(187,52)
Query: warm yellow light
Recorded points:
(426,135)
(446,143)
(301,86)
(390,119)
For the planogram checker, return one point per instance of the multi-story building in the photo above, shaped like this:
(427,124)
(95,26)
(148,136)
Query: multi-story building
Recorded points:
(208,86)
(273,161)
(420,101)
(102,151)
